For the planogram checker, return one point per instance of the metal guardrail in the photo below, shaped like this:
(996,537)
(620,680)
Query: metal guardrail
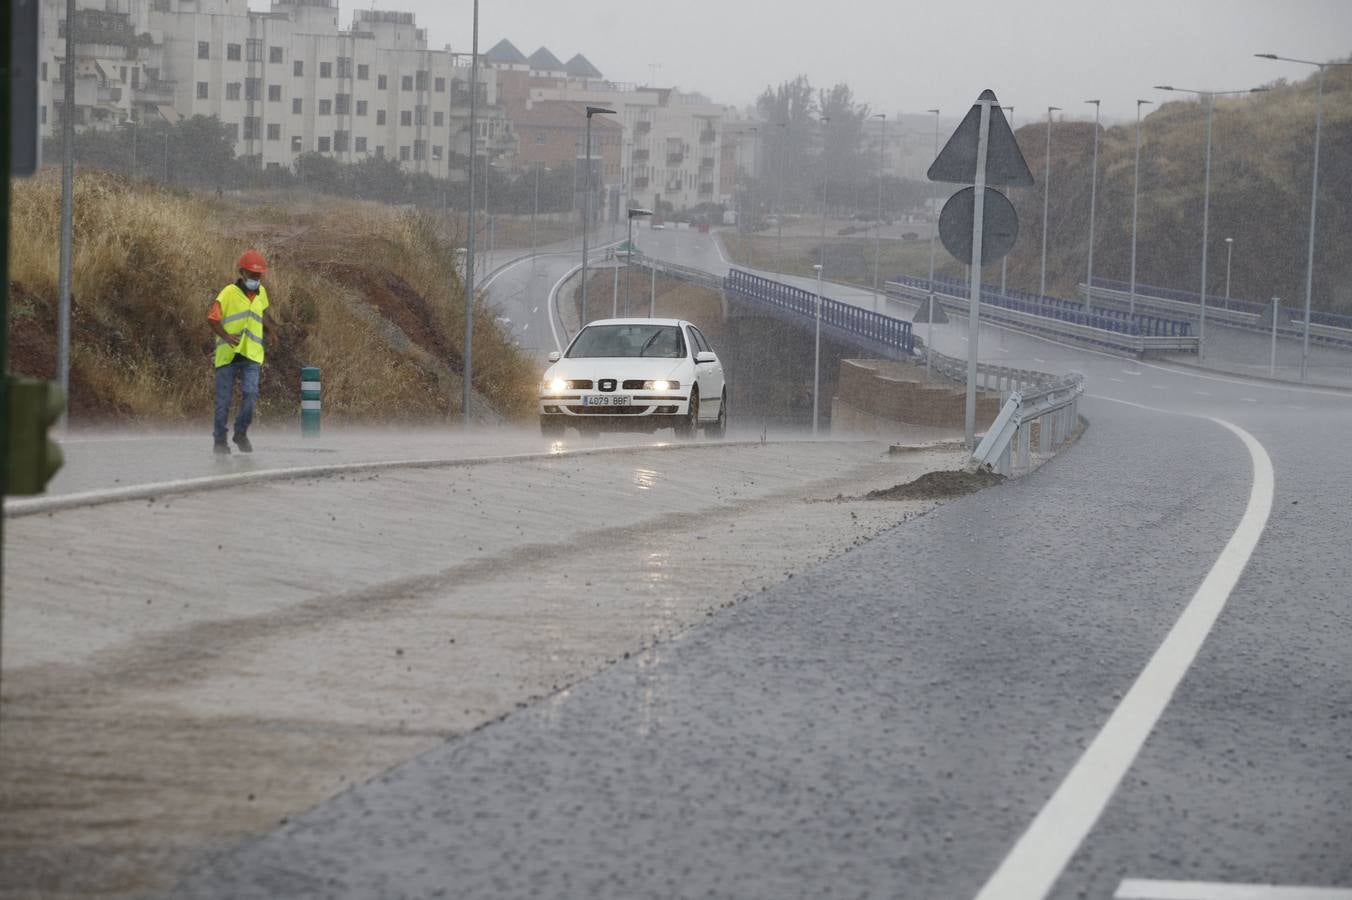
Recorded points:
(1055,320)
(1052,406)
(856,321)
(989,377)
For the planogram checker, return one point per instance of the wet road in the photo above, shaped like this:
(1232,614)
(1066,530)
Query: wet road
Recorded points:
(1124,675)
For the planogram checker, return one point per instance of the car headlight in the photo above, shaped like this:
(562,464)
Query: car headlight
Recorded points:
(661,385)
(555,386)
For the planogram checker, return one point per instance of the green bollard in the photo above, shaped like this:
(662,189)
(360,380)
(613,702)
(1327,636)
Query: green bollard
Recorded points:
(309,401)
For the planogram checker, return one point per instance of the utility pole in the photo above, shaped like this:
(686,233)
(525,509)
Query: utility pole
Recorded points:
(67,208)
(467,375)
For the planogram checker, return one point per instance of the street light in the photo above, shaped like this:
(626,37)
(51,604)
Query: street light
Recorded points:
(586,221)
(467,374)
(821,251)
(779,218)
(934,229)
(878,228)
(1314,196)
(1229,251)
(1093,198)
(1046,195)
(634,213)
(1135,203)
(1206,194)
(1004,260)
(817,352)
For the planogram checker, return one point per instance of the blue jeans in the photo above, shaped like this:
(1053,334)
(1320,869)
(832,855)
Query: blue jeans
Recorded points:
(246,372)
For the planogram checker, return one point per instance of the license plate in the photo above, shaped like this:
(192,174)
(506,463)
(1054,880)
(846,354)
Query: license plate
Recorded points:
(606,400)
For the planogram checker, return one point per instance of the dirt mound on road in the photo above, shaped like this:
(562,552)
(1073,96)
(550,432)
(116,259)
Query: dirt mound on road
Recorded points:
(938,485)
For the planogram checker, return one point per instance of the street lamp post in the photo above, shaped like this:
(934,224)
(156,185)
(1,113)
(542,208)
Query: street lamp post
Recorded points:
(779,219)
(634,213)
(1135,204)
(821,251)
(1314,197)
(1229,252)
(934,230)
(1093,199)
(586,206)
(467,375)
(817,352)
(1004,260)
(1206,195)
(878,228)
(534,212)
(1046,196)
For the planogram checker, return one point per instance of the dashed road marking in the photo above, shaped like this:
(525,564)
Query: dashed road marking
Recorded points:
(1202,393)
(1151,889)
(1043,851)
(1130,372)
(1247,400)
(1159,387)
(1118,380)
(1038,359)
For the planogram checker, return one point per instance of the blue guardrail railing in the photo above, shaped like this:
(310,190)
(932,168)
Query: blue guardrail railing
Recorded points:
(1059,308)
(1336,320)
(864,323)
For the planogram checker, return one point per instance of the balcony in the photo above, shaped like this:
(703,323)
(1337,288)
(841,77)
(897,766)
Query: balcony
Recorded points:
(674,187)
(641,183)
(706,164)
(675,159)
(641,156)
(708,136)
(155,91)
(706,189)
(642,128)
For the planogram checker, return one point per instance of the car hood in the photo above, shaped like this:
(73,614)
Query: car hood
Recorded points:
(618,368)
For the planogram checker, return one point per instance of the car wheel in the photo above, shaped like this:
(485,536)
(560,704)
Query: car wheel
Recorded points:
(686,427)
(719,427)
(551,427)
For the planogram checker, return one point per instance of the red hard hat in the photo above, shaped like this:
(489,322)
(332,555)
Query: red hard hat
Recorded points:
(252,261)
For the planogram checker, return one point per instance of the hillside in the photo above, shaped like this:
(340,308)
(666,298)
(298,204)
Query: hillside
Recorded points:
(1262,151)
(367,292)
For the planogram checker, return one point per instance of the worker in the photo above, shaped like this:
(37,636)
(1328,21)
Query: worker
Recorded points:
(237,317)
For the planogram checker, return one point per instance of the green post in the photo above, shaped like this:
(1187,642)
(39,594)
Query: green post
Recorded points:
(309,401)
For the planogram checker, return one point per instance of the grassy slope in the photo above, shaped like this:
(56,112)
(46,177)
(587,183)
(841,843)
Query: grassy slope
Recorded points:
(148,261)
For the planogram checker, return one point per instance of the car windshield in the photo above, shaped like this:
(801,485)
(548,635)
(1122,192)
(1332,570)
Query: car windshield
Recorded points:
(628,341)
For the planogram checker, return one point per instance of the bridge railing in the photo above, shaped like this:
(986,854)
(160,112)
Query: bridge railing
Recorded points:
(854,320)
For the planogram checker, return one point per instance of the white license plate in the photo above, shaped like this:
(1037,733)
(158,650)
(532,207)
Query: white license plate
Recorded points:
(607,400)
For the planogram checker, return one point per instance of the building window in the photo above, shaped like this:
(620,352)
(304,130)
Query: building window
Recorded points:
(363,72)
(297,144)
(380,117)
(274,132)
(201,90)
(441,85)
(44,114)
(380,151)
(323,145)
(403,154)
(325,107)
(135,78)
(342,104)
(361,107)
(274,54)
(232,91)
(295,105)
(382,83)
(420,150)
(298,67)
(44,71)
(361,145)
(203,49)
(422,79)
(326,70)
(438,119)
(232,52)
(234,131)
(406,117)
(340,139)
(419,115)
(251,128)
(255,48)
(436,151)
(344,67)
(542,137)
(253,89)
(406,83)
(274,93)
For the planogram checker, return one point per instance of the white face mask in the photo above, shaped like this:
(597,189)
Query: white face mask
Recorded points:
(251,284)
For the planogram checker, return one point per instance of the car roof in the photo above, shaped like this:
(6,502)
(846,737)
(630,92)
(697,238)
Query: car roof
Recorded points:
(638,320)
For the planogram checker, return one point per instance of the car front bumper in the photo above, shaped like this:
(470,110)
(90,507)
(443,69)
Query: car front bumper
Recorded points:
(643,404)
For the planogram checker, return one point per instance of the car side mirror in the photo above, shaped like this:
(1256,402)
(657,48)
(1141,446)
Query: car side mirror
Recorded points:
(706,356)
(554,356)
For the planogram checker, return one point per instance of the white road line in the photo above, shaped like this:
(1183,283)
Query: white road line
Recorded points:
(1117,380)
(535,311)
(1150,889)
(1202,393)
(1038,359)
(1130,372)
(1159,387)
(1031,868)
(1247,400)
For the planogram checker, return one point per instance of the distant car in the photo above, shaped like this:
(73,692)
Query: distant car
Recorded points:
(659,226)
(635,375)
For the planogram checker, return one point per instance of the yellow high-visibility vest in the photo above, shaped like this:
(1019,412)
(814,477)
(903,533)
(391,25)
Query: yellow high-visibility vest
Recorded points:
(244,317)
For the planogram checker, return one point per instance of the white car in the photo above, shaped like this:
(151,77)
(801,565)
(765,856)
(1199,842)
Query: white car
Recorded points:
(635,375)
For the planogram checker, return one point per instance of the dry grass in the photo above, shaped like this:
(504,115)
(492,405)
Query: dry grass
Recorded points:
(148,261)
(848,260)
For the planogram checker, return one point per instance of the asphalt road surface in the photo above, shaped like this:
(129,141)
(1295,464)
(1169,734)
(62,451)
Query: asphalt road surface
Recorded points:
(1124,675)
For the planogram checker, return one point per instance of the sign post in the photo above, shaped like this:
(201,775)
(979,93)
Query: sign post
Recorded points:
(982,152)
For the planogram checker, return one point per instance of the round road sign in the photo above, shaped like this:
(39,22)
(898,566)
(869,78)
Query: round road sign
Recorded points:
(1000,226)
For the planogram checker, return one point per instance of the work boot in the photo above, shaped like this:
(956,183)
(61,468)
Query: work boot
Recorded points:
(242,441)
(221,448)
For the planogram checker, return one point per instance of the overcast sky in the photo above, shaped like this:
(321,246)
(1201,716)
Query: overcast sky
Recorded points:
(910,55)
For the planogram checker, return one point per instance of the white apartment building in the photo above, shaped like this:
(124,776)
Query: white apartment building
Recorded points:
(287,81)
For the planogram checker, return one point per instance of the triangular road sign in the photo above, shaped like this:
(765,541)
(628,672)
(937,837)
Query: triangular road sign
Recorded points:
(1005,165)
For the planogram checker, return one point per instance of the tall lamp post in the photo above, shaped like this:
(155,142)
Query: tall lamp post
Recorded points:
(1206,194)
(634,212)
(467,375)
(1004,260)
(779,218)
(821,251)
(1093,199)
(1046,196)
(1314,197)
(878,228)
(1229,252)
(1135,204)
(817,352)
(934,230)
(586,203)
